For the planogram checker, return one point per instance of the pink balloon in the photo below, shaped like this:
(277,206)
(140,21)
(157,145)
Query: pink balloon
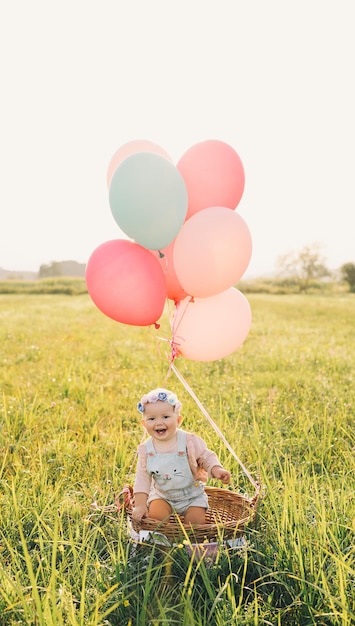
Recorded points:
(137,145)
(126,283)
(208,329)
(173,287)
(213,174)
(212,251)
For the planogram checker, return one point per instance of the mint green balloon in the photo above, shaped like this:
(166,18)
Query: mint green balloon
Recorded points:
(148,199)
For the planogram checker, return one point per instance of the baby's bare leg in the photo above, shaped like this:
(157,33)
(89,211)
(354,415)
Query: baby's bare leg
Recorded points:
(159,509)
(195,515)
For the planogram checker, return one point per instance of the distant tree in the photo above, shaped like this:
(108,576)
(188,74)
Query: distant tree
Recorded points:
(50,271)
(62,268)
(304,266)
(348,274)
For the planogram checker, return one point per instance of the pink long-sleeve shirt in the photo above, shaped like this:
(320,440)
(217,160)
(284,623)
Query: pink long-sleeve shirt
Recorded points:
(201,461)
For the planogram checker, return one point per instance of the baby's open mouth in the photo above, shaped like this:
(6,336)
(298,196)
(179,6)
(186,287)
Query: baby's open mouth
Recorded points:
(160,431)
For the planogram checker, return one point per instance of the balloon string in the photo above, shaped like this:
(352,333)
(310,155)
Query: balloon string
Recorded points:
(174,342)
(214,426)
(175,326)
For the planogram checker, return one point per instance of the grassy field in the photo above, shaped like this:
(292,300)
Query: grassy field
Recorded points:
(70,379)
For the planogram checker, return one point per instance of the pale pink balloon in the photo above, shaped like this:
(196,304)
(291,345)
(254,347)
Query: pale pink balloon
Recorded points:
(213,174)
(208,329)
(137,145)
(126,283)
(173,287)
(212,251)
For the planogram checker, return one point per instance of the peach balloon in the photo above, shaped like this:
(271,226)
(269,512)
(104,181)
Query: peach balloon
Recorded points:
(137,145)
(173,287)
(214,175)
(209,329)
(212,251)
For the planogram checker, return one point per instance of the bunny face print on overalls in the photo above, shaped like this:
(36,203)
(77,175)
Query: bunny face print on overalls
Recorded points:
(172,479)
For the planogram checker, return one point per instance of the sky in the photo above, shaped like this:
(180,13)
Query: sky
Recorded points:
(80,78)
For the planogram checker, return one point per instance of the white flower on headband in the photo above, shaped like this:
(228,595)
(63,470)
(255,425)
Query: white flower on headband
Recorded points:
(162,395)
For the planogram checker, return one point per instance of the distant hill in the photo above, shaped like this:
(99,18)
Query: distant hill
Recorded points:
(70,269)
(17,275)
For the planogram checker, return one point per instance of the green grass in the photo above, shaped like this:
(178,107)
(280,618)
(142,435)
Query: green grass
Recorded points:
(69,381)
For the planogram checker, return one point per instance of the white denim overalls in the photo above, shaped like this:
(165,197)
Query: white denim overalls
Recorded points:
(172,479)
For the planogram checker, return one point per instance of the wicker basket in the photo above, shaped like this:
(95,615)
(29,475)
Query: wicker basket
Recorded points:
(226,518)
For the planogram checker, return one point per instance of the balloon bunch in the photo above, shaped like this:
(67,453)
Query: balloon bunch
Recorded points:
(186,244)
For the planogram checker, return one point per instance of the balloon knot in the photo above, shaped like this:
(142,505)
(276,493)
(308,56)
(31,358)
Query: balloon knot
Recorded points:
(156,325)
(192,299)
(161,255)
(174,351)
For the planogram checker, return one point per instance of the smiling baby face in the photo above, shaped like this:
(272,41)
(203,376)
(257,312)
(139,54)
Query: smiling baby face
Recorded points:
(160,420)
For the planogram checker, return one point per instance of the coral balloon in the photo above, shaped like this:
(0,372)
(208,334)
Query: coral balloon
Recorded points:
(126,283)
(173,287)
(209,329)
(137,145)
(148,199)
(214,176)
(212,251)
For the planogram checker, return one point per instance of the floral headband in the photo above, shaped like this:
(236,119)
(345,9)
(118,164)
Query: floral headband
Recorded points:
(164,395)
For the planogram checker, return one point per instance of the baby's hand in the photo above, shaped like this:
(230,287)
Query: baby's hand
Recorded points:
(221,474)
(138,512)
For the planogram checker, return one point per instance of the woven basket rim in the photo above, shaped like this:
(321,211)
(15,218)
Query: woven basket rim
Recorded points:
(175,524)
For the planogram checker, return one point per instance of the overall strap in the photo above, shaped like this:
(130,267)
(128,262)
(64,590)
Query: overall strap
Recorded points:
(181,441)
(149,447)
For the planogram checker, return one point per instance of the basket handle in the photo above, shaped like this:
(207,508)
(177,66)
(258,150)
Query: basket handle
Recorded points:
(255,484)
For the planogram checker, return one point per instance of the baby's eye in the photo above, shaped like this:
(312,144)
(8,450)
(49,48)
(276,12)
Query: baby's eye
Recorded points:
(166,417)
(150,419)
